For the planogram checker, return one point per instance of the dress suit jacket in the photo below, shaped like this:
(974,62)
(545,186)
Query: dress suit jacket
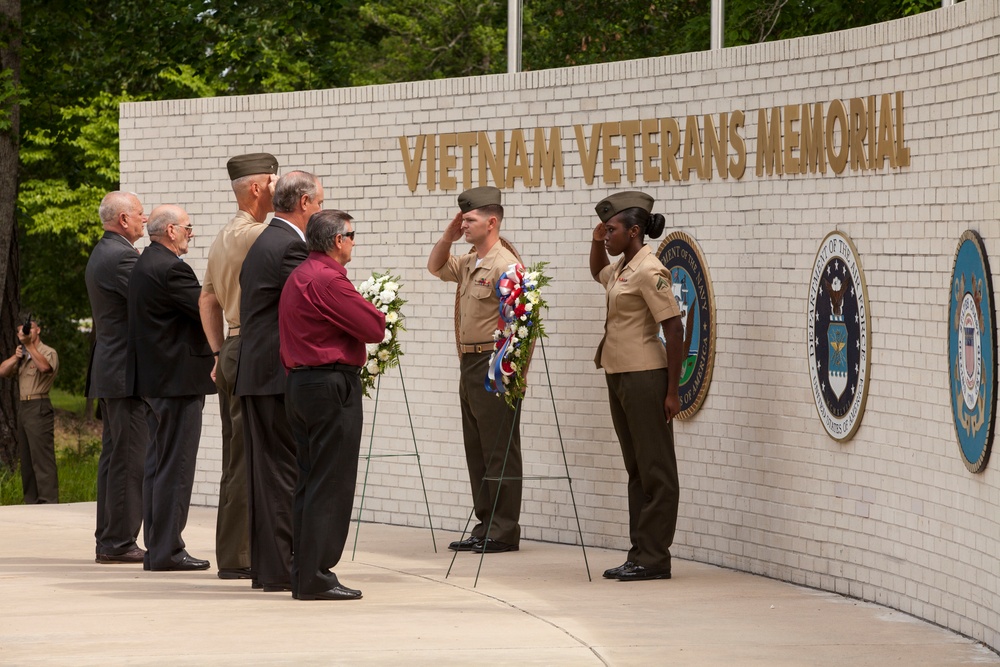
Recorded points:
(168,354)
(108,271)
(272,257)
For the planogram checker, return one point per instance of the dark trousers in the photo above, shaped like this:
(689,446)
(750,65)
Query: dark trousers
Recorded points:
(119,474)
(486,427)
(232,525)
(324,411)
(272,472)
(175,424)
(647,443)
(36,446)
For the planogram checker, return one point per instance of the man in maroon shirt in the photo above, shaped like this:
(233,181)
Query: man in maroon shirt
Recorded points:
(323,325)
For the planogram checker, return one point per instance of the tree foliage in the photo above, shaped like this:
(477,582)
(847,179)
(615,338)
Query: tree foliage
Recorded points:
(81,58)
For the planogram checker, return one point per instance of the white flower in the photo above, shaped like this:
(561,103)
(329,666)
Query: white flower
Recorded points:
(372,367)
(533,276)
(384,308)
(496,334)
(391,317)
(514,340)
(387,337)
(365,286)
(391,286)
(371,348)
(528,307)
(524,318)
(517,353)
(387,296)
(383,355)
(522,332)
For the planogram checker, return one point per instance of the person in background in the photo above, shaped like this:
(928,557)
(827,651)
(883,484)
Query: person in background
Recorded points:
(35,365)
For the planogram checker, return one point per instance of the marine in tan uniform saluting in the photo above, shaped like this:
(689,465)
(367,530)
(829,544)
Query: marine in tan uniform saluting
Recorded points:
(642,375)
(486,419)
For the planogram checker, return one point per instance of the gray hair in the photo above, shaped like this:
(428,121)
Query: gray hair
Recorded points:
(162,217)
(323,228)
(290,188)
(114,204)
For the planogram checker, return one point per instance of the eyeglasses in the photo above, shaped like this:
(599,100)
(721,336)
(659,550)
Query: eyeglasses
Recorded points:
(349,235)
(186,228)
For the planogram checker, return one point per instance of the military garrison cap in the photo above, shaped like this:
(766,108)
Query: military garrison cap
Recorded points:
(475,198)
(614,204)
(253,163)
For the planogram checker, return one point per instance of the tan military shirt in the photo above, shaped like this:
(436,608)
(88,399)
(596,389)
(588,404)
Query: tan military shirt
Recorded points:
(640,296)
(478,300)
(225,259)
(33,383)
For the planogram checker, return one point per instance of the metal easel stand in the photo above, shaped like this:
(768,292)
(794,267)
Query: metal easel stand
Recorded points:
(368,461)
(501,478)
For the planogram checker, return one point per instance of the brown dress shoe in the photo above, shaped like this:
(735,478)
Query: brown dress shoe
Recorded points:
(133,555)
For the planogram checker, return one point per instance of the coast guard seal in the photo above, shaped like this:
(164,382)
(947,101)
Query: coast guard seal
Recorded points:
(972,352)
(838,336)
(692,288)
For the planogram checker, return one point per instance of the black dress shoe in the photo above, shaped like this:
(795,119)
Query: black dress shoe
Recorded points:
(491,546)
(235,573)
(186,564)
(277,588)
(338,592)
(640,573)
(615,571)
(468,544)
(133,555)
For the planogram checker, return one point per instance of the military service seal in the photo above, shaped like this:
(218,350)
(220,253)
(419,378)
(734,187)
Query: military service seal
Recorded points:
(972,340)
(838,336)
(692,288)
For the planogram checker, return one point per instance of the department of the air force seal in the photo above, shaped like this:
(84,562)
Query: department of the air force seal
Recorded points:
(838,335)
(972,340)
(692,288)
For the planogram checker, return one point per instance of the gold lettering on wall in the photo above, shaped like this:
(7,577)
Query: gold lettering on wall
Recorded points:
(857,135)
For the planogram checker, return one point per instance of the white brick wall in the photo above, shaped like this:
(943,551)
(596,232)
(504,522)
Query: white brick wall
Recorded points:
(890,516)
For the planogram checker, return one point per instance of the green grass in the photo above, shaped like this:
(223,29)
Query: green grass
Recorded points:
(78,446)
(77,477)
(63,400)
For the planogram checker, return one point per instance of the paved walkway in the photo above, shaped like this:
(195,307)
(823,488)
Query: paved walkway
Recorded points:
(57,607)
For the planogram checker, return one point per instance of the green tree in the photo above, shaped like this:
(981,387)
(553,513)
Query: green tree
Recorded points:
(10,68)
(430,39)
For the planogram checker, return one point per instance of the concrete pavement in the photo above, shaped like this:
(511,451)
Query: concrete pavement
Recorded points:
(57,607)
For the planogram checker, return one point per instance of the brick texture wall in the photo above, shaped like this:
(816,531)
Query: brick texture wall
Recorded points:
(891,516)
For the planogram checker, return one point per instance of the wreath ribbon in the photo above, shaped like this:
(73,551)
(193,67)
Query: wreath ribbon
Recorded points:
(508,289)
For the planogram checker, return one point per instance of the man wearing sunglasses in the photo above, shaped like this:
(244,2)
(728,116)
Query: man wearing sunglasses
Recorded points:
(168,365)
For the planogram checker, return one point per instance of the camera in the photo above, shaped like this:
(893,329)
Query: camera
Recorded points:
(26,327)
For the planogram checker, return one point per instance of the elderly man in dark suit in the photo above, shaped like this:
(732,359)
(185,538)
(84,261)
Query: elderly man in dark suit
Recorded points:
(125,436)
(260,378)
(169,367)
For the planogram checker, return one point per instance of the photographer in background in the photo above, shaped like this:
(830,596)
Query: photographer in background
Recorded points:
(36,365)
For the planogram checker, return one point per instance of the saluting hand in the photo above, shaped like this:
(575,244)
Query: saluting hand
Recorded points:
(454,230)
(600,232)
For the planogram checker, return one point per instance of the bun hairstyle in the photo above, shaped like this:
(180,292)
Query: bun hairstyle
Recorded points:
(655,225)
(650,224)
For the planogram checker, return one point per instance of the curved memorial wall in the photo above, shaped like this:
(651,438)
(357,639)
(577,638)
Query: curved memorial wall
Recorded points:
(833,225)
